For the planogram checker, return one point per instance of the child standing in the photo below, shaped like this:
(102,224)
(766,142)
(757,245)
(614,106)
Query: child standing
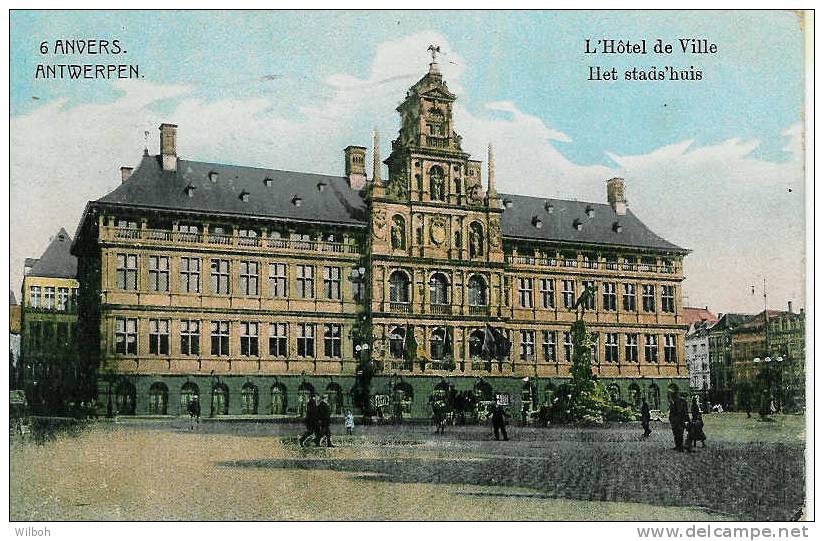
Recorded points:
(349,422)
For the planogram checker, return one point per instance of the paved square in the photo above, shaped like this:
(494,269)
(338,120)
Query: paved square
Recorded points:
(160,470)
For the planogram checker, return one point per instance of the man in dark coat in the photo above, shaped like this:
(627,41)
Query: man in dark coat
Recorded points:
(499,421)
(194,412)
(324,413)
(645,417)
(678,416)
(311,421)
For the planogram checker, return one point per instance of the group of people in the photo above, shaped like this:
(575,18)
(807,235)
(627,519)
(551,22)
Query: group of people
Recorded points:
(679,418)
(318,420)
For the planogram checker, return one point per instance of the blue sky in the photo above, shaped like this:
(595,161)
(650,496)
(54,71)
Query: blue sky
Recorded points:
(326,78)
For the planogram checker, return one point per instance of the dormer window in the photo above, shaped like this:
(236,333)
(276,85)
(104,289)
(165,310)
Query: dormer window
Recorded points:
(244,196)
(578,224)
(548,206)
(190,190)
(321,186)
(297,201)
(508,203)
(537,222)
(590,211)
(617,227)
(267,182)
(213,176)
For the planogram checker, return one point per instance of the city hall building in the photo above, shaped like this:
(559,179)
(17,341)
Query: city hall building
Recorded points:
(255,288)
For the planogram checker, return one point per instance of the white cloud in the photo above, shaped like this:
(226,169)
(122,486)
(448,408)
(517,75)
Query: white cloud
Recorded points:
(733,209)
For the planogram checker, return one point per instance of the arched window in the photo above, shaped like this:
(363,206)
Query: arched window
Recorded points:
(654,397)
(476,343)
(635,395)
(220,399)
(673,391)
(614,392)
(125,398)
(188,392)
(249,399)
(158,398)
(483,390)
(278,399)
(398,234)
(305,392)
(438,289)
(437,189)
(477,291)
(437,344)
(402,396)
(476,240)
(396,342)
(398,287)
(334,395)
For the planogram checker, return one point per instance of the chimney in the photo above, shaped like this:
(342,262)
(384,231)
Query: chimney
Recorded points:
(376,158)
(168,146)
(615,195)
(125,173)
(790,306)
(355,166)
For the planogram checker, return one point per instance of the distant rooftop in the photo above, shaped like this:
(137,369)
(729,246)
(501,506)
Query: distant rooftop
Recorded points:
(56,261)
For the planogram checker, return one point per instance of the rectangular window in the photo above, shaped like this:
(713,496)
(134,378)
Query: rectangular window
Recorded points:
(668,299)
(590,300)
(125,336)
(549,346)
(629,297)
(62,298)
(306,281)
(331,282)
(277,340)
(525,292)
(249,278)
(306,340)
(670,355)
(527,345)
(547,293)
(610,298)
(647,264)
(570,260)
(220,338)
(187,233)
(568,293)
(220,276)
(611,347)
(648,298)
(611,262)
(48,298)
(159,336)
(629,263)
(651,348)
(34,296)
(567,347)
(277,279)
(158,273)
(190,274)
(190,337)
(127,272)
(331,340)
(249,338)
(631,348)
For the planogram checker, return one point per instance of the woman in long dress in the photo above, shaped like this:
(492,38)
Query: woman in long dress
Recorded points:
(696,428)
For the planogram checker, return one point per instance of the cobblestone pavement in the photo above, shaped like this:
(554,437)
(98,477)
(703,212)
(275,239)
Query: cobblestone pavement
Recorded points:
(732,478)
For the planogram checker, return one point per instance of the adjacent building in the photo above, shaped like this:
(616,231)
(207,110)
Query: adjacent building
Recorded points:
(722,375)
(255,288)
(768,356)
(697,350)
(48,369)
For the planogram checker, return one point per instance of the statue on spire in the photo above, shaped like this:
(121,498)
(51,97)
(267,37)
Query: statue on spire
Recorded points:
(434,50)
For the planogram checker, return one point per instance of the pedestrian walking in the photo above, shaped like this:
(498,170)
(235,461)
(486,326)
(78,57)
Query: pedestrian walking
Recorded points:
(324,420)
(194,412)
(439,416)
(678,417)
(696,429)
(645,417)
(311,421)
(349,422)
(499,416)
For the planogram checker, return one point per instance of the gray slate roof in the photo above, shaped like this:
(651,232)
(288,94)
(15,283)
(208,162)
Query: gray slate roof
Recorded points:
(559,225)
(150,186)
(56,261)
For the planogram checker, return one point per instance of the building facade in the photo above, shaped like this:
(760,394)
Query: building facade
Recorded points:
(696,349)
(722,375)
(768,356)
(47,369)
(255,287)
